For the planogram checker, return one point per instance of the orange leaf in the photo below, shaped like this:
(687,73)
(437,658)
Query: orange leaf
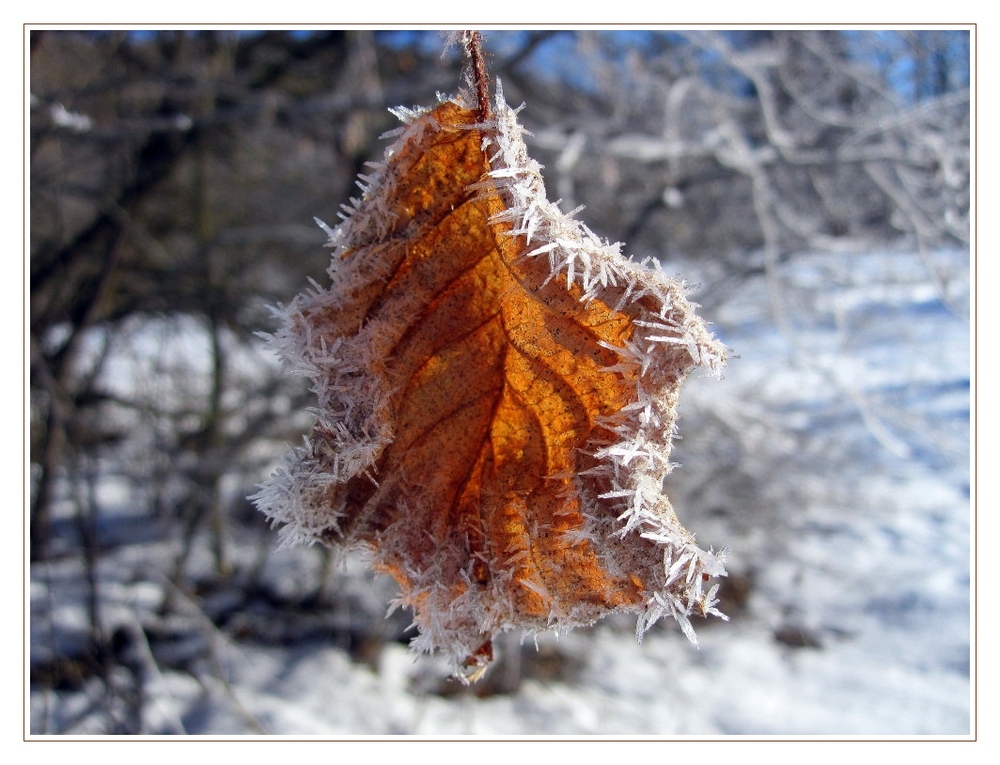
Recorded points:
(497,392)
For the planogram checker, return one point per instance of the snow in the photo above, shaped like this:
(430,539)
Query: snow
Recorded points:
(860,544)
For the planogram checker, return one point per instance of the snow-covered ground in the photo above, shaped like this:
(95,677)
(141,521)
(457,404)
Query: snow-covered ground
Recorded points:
(857,369)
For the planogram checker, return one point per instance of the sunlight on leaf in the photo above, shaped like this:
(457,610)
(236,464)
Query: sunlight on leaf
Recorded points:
(497,392)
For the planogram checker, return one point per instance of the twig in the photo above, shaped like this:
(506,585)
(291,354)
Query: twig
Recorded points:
(474,50)
(214,638)
(146,661)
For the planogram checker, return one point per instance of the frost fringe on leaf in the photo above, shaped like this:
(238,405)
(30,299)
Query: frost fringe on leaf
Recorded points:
(638,461)
(628,521)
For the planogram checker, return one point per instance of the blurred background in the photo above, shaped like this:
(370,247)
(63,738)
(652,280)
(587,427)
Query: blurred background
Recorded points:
(813,186)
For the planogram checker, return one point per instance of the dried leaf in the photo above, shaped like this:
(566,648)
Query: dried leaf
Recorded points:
(497,392)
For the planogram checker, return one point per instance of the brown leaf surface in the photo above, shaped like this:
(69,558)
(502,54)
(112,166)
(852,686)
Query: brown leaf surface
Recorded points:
(497,392)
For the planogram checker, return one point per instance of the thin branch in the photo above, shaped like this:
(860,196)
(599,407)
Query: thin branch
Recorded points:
(474,50)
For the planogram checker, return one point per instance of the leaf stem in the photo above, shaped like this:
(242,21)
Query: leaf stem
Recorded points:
(474,49)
